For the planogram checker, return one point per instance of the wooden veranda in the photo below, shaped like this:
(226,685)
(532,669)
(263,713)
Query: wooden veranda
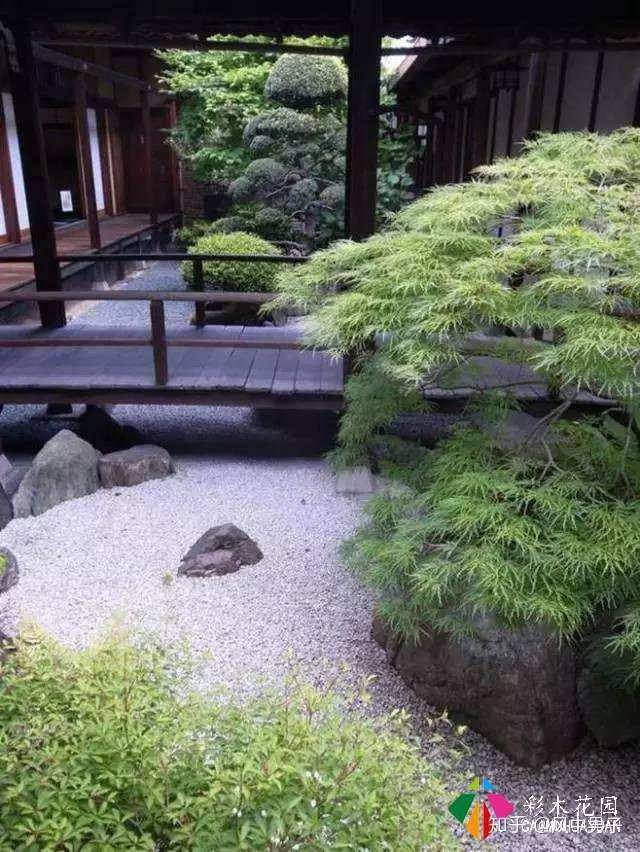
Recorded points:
(271,367)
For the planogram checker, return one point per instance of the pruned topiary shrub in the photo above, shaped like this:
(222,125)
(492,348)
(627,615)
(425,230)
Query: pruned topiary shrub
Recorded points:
(108,749)
(303,81)
(233,275)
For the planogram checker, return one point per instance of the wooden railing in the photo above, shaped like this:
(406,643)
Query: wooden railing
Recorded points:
(158,339)
(198,270)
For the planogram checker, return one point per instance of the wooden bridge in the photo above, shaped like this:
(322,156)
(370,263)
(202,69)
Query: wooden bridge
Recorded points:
(254,366)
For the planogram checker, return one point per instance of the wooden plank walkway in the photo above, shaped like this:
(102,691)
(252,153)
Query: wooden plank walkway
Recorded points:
(252,371)
(74,239)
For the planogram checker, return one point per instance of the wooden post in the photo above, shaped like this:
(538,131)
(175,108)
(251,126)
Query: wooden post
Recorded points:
(363,117)
(481,108)
(85,164)
(36,177)
(159,342)
(148,158)
(595,98)
(198,286)
(562,79)
(535,93)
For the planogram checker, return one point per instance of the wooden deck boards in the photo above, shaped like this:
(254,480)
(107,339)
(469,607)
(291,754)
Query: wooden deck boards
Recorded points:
(74,239)
(82,372)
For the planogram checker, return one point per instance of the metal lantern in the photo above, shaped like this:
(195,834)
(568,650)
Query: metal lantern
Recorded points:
(505,78)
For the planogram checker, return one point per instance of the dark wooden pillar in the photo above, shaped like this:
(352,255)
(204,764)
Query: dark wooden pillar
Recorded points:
(535,93)
(36,177)
(363,118)
(481,110)
(7,187)
(84,160)
(148,158)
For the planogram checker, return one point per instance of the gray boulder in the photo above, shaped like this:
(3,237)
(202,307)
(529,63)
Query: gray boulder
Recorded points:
(221,550)
(131,467)
(8,570)
(516,687)
(65,468)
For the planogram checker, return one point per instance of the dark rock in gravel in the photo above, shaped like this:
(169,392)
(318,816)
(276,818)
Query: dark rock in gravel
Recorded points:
(6,508)
(427,428)
(611,712)
(519,433)
(65,468)
(103,432)
(136,465)
(221,550)
(8,570)
(516,687)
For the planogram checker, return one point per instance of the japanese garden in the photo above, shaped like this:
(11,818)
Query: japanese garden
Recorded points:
(320,480)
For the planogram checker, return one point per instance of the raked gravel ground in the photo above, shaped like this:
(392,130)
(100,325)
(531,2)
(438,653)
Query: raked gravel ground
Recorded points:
(112,558)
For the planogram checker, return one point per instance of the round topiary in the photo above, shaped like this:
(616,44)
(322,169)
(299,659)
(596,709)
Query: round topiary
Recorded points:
(333,195)
(302,193)
(241,190)
(272,224)
(281,123)
(233,274)
(261,144)
(304,81)
(227,225)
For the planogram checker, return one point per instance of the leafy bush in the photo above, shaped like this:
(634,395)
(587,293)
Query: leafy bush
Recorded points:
(545,247)
(305,81)
(233,274)
(107,749)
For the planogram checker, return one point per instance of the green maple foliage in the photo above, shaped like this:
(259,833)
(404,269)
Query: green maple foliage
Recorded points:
(546,247)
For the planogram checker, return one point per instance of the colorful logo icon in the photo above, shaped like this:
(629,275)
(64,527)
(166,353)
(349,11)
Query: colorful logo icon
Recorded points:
(471,808)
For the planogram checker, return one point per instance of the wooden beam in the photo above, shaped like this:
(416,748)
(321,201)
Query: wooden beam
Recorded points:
(535,93)
(148,159)
(363,118)
(85,165)
(196,44)
(12,222)
(36,177)
(72,63)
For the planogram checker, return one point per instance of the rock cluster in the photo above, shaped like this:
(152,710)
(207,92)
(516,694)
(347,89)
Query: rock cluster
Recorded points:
(67,467)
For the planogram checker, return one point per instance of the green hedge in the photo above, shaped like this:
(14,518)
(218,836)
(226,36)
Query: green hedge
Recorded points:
(107,749)
(233,275)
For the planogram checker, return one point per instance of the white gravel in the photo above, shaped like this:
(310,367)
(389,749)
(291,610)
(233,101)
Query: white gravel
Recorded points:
(113,557)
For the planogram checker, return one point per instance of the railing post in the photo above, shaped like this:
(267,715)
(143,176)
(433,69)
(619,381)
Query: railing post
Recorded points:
(159,342)
(198,285)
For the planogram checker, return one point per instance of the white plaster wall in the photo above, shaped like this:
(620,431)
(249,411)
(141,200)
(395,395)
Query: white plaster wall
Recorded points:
(16,164)
(95,158)
(3,224)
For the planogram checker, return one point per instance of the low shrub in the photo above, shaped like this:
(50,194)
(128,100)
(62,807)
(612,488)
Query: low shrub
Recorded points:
(107,749)
(233,274)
